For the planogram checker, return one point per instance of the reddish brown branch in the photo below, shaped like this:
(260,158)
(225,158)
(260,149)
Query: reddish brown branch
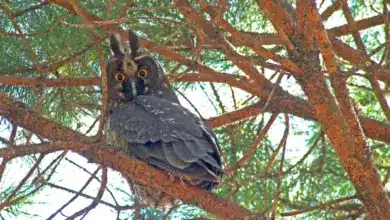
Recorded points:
(280,103)
(352,26)
(380,96)
(130,167)
(341,125)
(193,16)
(61,82)
(240,38)
(24,150)
(32,121)
(330,10)
(278,16)
(281,18)
(337,81)
(360,25)
(143,174)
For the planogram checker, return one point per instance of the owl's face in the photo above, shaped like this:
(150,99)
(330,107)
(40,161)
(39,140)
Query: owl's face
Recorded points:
(134,73)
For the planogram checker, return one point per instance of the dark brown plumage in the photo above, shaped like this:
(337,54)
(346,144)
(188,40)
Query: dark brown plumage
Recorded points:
(147,121)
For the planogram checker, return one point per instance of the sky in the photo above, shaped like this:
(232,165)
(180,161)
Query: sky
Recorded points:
(72,177)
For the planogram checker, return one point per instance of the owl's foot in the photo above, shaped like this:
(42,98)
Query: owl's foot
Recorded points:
(172,175)
(182,179)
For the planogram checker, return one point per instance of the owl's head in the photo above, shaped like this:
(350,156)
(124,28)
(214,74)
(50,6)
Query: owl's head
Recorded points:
(131,72)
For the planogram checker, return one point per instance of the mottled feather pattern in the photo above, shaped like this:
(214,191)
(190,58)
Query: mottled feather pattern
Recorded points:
(180,143)
(169,137)
(146,121)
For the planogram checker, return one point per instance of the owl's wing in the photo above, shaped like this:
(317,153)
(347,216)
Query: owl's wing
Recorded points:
(169,137)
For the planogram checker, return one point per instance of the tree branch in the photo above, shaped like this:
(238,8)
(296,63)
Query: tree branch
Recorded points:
(134,169)
(339,119)
(61,82)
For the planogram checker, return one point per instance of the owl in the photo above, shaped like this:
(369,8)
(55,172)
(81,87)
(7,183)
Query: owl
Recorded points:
(146,121)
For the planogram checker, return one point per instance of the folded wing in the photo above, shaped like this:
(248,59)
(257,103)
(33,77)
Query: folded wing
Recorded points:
(169,137)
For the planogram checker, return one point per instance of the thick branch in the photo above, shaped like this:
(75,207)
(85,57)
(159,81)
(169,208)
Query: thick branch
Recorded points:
(279,103)
(21,116)
(339,122)
(130,167)
(61,82)
(360,25)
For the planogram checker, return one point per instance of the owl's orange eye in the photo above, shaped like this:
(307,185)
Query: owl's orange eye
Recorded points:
(119,77)
(142,73)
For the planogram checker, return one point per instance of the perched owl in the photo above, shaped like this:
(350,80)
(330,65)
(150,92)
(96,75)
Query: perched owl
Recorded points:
(146,121)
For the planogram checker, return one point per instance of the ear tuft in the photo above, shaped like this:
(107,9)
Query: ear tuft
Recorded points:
(134,43)
(116,44)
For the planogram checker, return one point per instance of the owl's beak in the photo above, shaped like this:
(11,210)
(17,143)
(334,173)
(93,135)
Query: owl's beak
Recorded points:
(119,88)
(133,87)
(127,90)
(122,95)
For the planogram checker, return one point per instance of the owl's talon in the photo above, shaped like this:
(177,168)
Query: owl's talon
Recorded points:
(172,175)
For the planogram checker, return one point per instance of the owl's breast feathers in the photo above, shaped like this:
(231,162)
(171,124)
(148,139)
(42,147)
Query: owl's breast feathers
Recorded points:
(167,136)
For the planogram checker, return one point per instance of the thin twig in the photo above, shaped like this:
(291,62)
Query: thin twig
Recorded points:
(85,170)
(93,125)
(22,182)
(280,173)
(380,96)
(306,154)
(320,206)
(56,160)
(171,210)
(26,42)
(252,148)
(276,151)
(3,165)
(32,8)
(75,196)
(97,199)
(116,207)
(12,135)
(189,102)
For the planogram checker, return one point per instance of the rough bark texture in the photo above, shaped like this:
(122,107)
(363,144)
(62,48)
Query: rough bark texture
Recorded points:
(136,170)
(300,30)
(339,120)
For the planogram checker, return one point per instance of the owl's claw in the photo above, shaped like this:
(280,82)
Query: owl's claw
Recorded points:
(172,175)
(182,180)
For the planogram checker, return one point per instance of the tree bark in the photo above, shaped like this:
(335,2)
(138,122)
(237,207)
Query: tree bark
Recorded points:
(136,170)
